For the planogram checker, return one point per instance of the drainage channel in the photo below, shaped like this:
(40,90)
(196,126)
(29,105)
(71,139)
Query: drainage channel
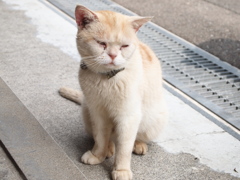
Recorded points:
(198,74)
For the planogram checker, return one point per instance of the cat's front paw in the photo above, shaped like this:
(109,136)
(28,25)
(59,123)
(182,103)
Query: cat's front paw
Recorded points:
(89,158)
(122,174)
(140,148)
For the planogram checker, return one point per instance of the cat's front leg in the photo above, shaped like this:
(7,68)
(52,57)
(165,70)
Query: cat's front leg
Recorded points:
(101,131)
(125,133)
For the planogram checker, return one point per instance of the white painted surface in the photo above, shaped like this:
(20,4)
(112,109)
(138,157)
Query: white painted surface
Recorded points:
(51,27)
(188,131)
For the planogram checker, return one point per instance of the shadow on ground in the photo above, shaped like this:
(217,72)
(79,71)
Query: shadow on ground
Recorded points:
(156,164)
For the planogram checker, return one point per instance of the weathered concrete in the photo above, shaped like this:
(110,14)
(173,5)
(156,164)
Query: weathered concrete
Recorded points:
(34,151)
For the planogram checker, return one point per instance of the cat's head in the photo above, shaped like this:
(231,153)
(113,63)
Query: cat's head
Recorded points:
(106,40)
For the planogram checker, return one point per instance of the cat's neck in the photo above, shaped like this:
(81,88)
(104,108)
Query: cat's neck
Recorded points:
(108,74)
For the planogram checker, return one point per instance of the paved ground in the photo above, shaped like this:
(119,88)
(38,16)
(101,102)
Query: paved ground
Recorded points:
(212,25)
(38,56)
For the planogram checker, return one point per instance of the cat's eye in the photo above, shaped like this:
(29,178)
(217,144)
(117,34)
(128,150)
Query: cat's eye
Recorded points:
(102,44)
(124,46)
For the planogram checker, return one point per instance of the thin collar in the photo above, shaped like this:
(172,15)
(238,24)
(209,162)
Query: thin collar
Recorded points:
(109,74)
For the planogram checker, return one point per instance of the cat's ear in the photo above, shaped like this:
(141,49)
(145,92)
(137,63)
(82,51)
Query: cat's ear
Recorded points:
(138,21)
(84,16)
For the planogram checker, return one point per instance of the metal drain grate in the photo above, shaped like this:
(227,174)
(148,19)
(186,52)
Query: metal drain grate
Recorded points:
(203,77)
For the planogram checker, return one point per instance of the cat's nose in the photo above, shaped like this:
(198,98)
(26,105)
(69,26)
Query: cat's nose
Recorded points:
(112,56)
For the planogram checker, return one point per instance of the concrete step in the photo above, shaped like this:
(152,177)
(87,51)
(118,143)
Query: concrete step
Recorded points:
(33,153)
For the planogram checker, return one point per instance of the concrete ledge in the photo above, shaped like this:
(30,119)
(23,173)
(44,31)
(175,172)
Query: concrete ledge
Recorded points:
(35,152)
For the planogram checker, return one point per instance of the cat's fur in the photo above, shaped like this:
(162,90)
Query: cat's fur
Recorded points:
(124,112)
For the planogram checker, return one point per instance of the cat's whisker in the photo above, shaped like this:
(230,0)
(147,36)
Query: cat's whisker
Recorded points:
(93,64)
(89,57)
(135,47)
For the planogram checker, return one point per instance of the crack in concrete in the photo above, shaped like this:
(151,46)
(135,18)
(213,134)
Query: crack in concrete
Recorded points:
(178,139)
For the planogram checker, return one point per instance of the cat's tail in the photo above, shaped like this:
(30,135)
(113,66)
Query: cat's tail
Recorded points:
(71,94)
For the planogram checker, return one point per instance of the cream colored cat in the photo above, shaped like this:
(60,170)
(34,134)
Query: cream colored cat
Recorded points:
(122,96)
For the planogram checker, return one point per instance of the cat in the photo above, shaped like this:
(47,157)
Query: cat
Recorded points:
(122,97)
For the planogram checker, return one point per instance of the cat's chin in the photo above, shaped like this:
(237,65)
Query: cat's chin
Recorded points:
(111,66)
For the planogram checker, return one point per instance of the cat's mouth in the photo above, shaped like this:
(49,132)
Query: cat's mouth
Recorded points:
(111,65)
